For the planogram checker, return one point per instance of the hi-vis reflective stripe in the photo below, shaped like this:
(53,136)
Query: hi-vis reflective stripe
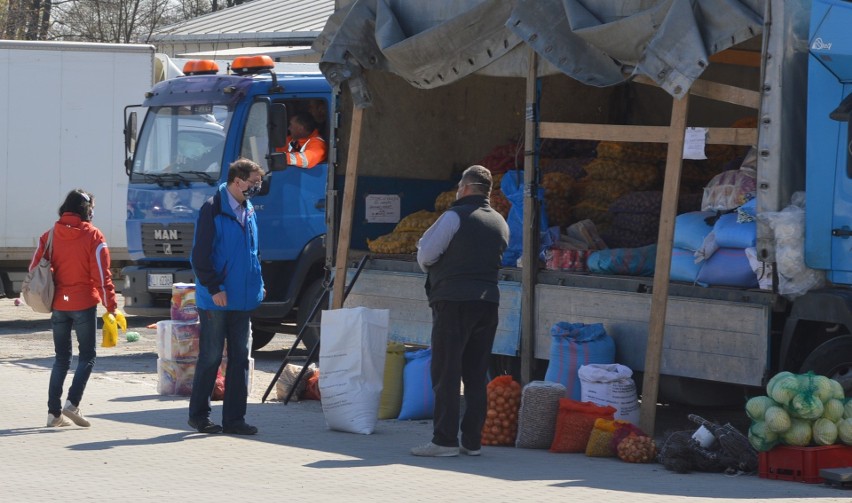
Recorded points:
(297,159)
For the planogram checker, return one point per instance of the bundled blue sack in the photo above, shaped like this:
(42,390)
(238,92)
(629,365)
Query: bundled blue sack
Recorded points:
(684,267)
(732,233)
(512,185)
(624,261)
(418,399)
(727,267)
(691,229)
(574,345)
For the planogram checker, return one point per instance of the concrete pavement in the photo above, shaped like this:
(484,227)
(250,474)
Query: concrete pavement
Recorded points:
(140,448)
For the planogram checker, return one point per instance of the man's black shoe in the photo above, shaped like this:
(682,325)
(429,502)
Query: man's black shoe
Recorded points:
(204,426)
(241,429)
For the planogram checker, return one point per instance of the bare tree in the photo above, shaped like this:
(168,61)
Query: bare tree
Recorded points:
(117,21)
(26,19)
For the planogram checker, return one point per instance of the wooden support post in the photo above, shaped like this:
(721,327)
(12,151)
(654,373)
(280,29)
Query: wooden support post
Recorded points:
(530,255)
(345,234)
(659,297)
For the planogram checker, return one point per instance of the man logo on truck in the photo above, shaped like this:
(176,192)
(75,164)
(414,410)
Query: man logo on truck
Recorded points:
(163,234)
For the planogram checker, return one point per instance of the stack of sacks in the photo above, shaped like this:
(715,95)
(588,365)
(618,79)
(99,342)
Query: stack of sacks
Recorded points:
(691,230)
(723,257)
(619,168)
(177,344)
(177,352)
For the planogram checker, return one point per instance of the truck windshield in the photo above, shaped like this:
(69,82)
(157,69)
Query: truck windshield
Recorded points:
(181,144)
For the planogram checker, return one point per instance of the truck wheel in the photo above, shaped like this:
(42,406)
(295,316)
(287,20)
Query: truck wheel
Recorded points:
(260,338)
(307,301)
(832,358)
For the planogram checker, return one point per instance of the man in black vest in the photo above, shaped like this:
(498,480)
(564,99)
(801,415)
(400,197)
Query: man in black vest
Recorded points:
(461,254)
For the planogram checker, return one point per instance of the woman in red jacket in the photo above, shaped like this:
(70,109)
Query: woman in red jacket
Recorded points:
(80,260)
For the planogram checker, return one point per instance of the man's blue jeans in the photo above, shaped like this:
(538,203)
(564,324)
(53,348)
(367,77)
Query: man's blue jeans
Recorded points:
(216,328)
(84,324)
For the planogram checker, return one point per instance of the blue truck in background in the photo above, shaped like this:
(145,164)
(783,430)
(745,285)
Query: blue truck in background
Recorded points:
(194,127)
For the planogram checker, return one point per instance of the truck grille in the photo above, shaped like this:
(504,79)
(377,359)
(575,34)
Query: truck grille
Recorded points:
(167,241)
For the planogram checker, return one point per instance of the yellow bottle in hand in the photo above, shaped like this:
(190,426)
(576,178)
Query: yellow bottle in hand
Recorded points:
(110,331)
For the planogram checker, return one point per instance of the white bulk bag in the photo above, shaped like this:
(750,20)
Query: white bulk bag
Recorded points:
(352,363)
(610,384)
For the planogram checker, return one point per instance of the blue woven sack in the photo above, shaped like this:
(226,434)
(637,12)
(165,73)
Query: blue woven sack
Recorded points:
(418,399)
(574,345)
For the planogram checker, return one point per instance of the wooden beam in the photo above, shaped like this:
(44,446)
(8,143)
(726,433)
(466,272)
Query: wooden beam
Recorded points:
(662,271)
(715,91)
(731,136)
(350,182)
(737,57)
(530,257)
(604,132)
(647,134)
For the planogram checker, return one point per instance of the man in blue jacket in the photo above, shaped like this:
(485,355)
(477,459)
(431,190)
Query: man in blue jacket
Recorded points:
(228,286)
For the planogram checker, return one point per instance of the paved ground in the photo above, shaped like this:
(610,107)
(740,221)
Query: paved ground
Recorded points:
(139,447)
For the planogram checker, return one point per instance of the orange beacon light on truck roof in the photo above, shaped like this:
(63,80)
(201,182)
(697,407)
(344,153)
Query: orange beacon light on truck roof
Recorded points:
(251,64)
(200,67)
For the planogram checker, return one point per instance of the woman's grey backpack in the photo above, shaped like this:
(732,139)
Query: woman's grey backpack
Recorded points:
(38,286)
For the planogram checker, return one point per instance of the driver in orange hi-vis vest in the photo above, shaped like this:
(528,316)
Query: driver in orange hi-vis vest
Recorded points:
(305,147)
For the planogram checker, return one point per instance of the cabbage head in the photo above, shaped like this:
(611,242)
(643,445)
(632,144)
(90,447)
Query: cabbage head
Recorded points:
(799,433)
(777,419)
(761,438)
(777,377)
(756,407)
(824,431)
(785,389)
(833,410)
(806,406)
(844,431)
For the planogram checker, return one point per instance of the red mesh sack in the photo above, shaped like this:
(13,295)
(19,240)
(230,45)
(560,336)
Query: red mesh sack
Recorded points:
(574,424)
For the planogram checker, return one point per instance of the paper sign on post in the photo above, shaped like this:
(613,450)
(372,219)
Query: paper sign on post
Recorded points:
(694,142)
(382,208)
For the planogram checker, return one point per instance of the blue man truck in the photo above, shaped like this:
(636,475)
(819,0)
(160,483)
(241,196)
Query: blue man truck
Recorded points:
(194,127)
(789,66)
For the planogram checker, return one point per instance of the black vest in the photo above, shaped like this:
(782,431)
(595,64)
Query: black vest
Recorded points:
(468,269)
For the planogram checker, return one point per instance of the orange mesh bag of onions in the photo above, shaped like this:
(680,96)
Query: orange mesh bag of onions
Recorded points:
(575,422)
(501,420)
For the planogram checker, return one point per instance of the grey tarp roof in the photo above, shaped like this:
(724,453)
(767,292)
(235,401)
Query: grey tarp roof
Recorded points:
(431,43)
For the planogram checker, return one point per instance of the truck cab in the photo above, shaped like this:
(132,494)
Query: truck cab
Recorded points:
(195,126)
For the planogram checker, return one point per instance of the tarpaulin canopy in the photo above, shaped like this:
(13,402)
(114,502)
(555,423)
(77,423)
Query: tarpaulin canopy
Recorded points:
(597,42)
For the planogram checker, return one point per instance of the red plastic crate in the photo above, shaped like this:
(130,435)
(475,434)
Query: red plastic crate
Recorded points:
(802,464)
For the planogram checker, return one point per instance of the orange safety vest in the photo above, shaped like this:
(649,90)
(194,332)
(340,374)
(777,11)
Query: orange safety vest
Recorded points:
(306,152)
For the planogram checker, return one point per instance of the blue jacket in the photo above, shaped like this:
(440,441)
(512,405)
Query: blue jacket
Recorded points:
(224,256)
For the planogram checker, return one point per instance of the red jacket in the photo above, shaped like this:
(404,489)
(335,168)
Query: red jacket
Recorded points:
(80,260)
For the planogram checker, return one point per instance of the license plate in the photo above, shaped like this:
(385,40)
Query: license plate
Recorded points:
(160,281)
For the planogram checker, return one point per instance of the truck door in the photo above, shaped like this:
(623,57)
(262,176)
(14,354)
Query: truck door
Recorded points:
(292,211)
(828,228)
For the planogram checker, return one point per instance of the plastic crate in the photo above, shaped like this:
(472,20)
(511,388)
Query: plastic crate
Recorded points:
(802,464)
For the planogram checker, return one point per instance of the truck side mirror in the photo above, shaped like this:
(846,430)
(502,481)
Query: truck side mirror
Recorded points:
(129,141)
(277,129)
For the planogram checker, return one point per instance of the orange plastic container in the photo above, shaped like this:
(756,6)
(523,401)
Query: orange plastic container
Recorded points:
(802,464)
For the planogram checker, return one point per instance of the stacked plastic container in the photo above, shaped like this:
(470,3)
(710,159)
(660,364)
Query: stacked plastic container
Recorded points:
(178,345)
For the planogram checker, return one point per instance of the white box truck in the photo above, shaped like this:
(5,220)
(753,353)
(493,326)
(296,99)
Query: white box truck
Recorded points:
(61,123)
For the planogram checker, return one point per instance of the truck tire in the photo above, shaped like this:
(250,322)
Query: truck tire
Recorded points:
(260,338)
(832,358)
(307,301)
